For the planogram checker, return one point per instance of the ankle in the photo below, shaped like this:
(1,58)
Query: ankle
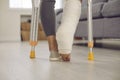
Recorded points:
(53,49)
(52,43)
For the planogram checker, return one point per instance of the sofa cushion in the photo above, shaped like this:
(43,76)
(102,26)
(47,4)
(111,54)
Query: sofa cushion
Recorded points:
(83,13)
(96,1)
(96,11)
(110,0)
(84,2)
(111,9)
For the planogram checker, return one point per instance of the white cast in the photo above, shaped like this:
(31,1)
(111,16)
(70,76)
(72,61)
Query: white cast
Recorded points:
(69,22)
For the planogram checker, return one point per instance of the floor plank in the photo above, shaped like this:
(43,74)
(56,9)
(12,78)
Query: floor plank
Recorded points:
(15,64)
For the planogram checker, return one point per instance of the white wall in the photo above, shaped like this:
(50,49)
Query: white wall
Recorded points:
(10,21)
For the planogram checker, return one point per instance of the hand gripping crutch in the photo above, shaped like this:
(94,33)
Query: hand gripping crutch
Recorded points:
(90,31)
(34,26)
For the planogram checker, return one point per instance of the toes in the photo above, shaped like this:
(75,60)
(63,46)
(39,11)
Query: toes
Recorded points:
(65,57)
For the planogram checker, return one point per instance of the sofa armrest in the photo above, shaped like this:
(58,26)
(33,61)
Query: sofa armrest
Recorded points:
(111,9)
(58,11)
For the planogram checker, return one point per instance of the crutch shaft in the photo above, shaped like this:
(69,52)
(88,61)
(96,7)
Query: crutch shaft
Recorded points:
(34,26)
(90,31)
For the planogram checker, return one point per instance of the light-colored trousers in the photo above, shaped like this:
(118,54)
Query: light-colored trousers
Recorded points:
(69,22)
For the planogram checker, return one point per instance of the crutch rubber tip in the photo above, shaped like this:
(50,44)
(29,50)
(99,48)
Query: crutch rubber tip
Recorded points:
(91,56)
(32,54)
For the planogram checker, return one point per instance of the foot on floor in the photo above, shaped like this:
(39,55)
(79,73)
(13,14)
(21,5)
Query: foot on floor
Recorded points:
(65,57)
(54,56)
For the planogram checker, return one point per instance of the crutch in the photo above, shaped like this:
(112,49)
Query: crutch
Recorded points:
(90,31)
(34,27)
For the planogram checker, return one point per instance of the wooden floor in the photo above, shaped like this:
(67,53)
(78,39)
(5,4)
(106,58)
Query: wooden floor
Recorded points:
(15,64)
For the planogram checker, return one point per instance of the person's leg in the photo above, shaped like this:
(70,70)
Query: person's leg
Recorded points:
(65,33)
(47,16)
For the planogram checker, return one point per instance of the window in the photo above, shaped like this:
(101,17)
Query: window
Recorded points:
(27,4)
(20,4)
(58,4)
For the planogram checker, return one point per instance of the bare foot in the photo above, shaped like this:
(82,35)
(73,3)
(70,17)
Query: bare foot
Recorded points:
(65,57)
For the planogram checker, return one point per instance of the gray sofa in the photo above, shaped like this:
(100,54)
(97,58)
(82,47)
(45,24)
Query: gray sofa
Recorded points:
(106,19)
